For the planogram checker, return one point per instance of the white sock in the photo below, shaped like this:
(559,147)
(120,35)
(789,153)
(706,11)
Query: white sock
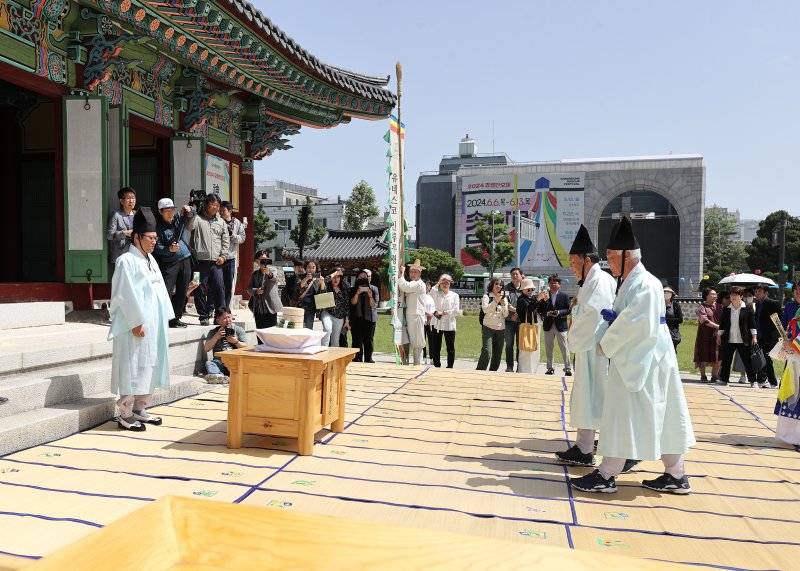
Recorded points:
(673,465)
(585,440)
(611,467)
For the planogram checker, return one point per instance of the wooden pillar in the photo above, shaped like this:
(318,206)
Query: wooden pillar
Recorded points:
(246,209)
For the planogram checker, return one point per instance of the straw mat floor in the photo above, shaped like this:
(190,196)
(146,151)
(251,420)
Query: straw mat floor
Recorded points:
(459,451)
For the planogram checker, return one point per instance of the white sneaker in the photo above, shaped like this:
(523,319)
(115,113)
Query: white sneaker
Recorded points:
(212,379)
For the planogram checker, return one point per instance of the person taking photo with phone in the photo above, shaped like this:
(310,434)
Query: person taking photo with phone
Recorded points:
(263,288)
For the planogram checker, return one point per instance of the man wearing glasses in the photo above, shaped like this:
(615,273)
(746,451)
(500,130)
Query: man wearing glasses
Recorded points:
(140,312)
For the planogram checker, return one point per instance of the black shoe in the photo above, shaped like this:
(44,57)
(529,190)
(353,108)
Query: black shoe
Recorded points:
(574,456)
(147,419)
(131,424)
(181,324)
(3,400)
(594,482)
(370,361)
(549,372)
(175,323)
(567,373)
(629,465)
(668,483)
(204,322)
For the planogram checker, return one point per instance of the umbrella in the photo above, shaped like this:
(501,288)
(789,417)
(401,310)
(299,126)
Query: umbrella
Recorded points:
(746,280)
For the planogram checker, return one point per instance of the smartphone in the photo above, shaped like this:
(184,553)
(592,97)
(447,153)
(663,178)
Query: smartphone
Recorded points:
(317,275)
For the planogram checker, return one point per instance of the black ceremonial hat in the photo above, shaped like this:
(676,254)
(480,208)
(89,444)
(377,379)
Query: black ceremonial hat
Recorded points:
(583,242)
(623,238)
(144,221)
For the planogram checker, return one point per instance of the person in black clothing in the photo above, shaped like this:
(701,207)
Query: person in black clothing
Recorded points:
(674,316)
(263,288)
(363,297)
(737,334)
(312,283)
(554,309)
(173,255)
(767,333)
(288,288)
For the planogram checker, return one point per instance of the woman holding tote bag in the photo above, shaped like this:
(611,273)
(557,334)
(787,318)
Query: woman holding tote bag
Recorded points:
(528,329)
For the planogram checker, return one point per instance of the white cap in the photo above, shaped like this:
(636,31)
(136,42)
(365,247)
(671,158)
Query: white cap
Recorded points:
(165,203)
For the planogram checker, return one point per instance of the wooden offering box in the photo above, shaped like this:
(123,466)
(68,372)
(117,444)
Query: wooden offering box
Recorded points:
(282,394)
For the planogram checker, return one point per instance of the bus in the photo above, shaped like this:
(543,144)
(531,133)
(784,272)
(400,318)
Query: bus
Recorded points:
(474,285)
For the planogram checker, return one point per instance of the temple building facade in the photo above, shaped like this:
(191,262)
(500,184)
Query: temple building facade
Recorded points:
(164,97)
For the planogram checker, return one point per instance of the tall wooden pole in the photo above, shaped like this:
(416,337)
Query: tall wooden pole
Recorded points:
(399,73)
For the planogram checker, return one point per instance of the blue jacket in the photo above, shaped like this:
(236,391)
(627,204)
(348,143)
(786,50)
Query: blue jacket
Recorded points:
(167,234)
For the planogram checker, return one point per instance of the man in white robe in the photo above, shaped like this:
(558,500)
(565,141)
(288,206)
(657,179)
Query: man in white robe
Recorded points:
(596,293)
(645,414)
(415,292)
(140,314)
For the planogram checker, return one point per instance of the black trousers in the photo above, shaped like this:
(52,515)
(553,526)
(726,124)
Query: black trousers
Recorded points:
(428,332)
(177,277)
(768,372)
(362,331)
(228,273)
(211,293)
(728,350)
(436,347)
(264,320)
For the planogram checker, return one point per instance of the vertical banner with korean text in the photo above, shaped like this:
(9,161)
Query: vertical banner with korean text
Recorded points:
(396,137)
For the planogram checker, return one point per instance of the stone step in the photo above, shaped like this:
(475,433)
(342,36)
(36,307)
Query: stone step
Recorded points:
(34,427)
(25,315)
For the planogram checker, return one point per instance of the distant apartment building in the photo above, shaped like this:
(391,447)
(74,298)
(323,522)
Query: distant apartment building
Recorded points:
(282,201)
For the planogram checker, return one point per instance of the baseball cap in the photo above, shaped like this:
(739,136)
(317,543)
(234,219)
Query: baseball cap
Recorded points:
(165,203)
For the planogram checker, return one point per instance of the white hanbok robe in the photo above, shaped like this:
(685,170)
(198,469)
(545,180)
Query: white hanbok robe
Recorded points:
(645,413)
(591,366)
(139,297)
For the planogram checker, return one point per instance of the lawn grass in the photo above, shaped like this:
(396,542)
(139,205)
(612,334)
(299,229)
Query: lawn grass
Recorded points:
(468,341)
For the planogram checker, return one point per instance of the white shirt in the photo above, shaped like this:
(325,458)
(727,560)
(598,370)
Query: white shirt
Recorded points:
(735,334)
(415,295)
(429,305)
(449,304)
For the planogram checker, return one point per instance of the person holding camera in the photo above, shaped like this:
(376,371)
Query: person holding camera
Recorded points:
(363,298)
(263,288)
(336,318)
(210,244)
(495,310)
(291,279)
(224,337)
(237,235)
(305,289)
(173,255)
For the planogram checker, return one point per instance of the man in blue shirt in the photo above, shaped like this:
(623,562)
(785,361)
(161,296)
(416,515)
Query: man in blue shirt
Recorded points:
(792,306)
(173,255)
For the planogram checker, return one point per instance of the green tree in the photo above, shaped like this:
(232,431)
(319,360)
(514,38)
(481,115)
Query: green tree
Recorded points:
(722,254)
(503,252)
(360,207)
(262,229)
(436,262)
(315,232)
(762,254)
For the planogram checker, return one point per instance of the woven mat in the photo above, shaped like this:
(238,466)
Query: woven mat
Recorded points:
(467,452)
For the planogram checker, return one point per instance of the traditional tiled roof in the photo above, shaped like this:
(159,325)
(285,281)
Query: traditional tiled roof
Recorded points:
(346,245)
(363,85)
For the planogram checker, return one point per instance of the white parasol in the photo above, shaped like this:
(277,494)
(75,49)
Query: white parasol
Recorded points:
(747,280)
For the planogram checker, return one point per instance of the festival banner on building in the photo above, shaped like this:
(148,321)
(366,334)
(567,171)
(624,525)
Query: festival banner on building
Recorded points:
(218,176)
(549,205)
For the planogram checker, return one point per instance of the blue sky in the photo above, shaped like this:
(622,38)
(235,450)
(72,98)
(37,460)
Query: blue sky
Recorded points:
(569,79)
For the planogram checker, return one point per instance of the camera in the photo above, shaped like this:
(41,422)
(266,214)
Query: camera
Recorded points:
(317,275)
(196,198)
(265,262)
(230,331)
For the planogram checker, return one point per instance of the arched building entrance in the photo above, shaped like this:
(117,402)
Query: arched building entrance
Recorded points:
(657,227)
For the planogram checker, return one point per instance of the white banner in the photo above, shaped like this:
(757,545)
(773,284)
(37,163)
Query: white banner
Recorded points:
(218,176)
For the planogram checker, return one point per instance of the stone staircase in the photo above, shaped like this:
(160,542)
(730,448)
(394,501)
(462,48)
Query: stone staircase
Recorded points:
(57,377)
